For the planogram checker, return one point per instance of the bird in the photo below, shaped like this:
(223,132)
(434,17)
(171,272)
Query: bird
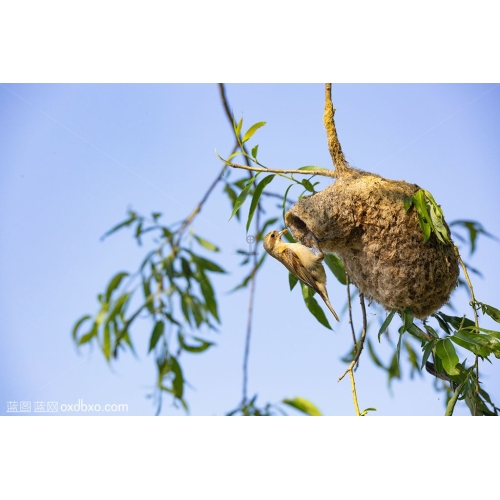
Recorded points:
(301,262)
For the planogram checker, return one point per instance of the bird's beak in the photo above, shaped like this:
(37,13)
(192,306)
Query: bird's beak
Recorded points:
(281,233)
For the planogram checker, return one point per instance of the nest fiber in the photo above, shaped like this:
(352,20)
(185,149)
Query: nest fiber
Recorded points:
(361,218)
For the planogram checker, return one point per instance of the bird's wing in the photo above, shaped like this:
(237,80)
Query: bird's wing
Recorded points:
(292,262)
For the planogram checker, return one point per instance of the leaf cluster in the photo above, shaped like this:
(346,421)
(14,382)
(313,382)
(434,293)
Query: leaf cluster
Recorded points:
(173,287)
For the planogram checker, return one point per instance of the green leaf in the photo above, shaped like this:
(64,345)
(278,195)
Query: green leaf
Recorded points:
(232,196)
(417,333)
(283,206)
(130,220)
(431,331)
(202,346)
(312,167)
(186,268)
(453,400)
(178,382)
(196,308)
(88,336)
(163,369)
(437,219)
(209,295)
(488,339)
(398,347)
(186,307)
(158,330)
(119,305)
(408,318)
(207,244)
(336,267)
(170,318)
(443,324)
(243,195)
(408,203)
(256,196)
(394,371)
(456,322)
(106,344)
(146,287)
(255,149)
(423,216)
(313,306)
(386,324)
(233,155)
(491,311)
(303,405)
(292,280)
(474,228)
(479,329)
(373,355)
(238,127)
(78,324)
(446,352)
(307,184)
(472,342)
(114,284)
(252,130)
(205,264)
(427,350)
(138,231)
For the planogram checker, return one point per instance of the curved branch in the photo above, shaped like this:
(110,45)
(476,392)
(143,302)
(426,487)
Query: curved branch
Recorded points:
(361,341)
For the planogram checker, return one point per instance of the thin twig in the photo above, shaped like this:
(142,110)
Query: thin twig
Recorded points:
(354,395)
(339,161)
(248,336)
(476,317)
(362,339)
(324,173)
(186,223)
(225,103)
(250,314)
(348,282)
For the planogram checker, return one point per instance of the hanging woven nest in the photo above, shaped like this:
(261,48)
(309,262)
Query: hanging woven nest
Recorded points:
(361,217)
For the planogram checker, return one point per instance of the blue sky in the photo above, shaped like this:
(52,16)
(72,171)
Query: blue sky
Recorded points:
(73,158)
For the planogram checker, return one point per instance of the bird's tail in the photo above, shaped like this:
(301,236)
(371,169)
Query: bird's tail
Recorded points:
(327,302)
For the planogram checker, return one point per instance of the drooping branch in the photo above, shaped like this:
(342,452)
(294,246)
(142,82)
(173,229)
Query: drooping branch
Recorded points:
(338,158)
(361,341)
(348,283)
(476,318)
(248,335)
(359,348)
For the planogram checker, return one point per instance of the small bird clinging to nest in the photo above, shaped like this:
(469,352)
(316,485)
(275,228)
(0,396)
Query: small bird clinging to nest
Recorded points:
(301,262)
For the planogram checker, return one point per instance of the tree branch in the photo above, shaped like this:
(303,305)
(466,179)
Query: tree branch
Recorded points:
(361,340)
(324,173)
(250,315)
(476,318)
(339,161)
(348,282)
